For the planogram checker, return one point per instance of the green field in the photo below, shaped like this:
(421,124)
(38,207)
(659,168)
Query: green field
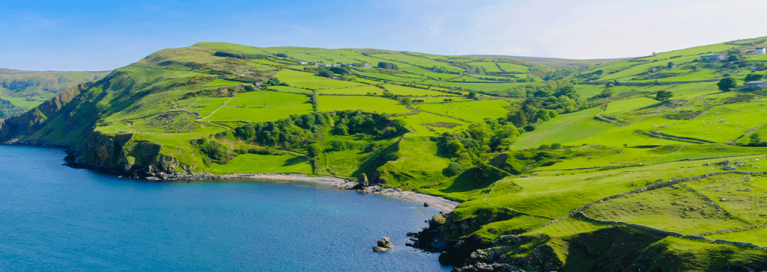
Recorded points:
(265,99)
(272,113)
(311,81)
(368,104)
(472,111)
(361,90)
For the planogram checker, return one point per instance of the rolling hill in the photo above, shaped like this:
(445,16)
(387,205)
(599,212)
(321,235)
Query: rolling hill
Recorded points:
(557,168)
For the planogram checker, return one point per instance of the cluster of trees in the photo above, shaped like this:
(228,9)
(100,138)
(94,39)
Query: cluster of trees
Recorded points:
(354,122)
(530,115)
(329,72)
(295,132)
(273,81)
(281,55)
(663,95)
(387,65)
(478,139)
(753,77)
(302,131)
(756,140)
(213,151)
(239,55)
(441,69)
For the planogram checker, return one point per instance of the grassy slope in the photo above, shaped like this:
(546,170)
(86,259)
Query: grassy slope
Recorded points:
(138,99)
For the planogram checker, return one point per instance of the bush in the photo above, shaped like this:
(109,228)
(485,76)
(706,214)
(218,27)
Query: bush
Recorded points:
(371,147)
(556,146)
(387,65)
(453,169)
(544,147)
(338,145)
(325,74)
(207,161)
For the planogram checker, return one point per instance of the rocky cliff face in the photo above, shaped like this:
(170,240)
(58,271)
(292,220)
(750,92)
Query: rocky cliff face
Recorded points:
(34,119)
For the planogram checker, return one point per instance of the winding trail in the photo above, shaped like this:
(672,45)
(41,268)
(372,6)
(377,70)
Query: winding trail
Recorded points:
(214,111)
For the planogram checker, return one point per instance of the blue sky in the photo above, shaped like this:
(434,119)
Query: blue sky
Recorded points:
(103,35)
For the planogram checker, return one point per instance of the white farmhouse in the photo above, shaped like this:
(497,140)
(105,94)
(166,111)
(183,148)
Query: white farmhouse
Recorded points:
(760,50)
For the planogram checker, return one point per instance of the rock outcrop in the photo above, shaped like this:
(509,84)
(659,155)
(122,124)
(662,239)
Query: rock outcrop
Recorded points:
(384,245)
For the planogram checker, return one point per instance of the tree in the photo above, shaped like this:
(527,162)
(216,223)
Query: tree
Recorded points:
(726,84)
(670,64)
(753,77)
(453,169)
(325,73)
(471,95)
(663,95)
(454,147)
(606,93)
(387,65)
(756,139)
(556,146)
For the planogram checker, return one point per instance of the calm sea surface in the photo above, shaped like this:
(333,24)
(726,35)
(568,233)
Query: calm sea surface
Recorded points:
(53,217)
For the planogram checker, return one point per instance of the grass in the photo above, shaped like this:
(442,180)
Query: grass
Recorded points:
(222,82)
(408,91)
(488,66)
(253,163)
(259,114)
(361,90)
(511,67)
(368,104)
(26,103)
(309,80)
(723,123)
(564,129)
(290,89)
(266,99)
(673,209)
(427,124)
(474,111)
(629,104)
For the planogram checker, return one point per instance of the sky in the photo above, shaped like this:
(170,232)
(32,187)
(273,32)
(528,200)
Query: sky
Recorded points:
(80,35)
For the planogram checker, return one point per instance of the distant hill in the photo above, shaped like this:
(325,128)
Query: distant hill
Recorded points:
(553,62)
(24,90)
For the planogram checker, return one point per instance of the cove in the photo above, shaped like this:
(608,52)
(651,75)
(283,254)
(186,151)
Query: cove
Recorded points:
(53,217)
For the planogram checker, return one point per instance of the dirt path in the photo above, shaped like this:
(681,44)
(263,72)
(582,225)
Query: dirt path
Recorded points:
(214,111)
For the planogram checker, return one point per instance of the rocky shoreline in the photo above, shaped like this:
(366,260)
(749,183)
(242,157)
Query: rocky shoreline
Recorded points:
(441,204)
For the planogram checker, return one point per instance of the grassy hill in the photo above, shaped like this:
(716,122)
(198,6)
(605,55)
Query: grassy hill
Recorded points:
(21,91)
(564,168)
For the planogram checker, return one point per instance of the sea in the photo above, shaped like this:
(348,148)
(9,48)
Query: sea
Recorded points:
(57,218)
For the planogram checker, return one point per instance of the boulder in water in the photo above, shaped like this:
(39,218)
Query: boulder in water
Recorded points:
(384,245)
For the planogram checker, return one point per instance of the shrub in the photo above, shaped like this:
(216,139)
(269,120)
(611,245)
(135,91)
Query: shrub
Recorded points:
(453,169)
(371,147)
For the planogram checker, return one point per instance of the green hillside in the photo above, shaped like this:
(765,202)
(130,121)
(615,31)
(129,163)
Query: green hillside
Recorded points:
(646,164)
(21,91)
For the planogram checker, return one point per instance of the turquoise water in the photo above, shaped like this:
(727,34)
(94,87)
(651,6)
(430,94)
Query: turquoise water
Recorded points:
(53,217)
